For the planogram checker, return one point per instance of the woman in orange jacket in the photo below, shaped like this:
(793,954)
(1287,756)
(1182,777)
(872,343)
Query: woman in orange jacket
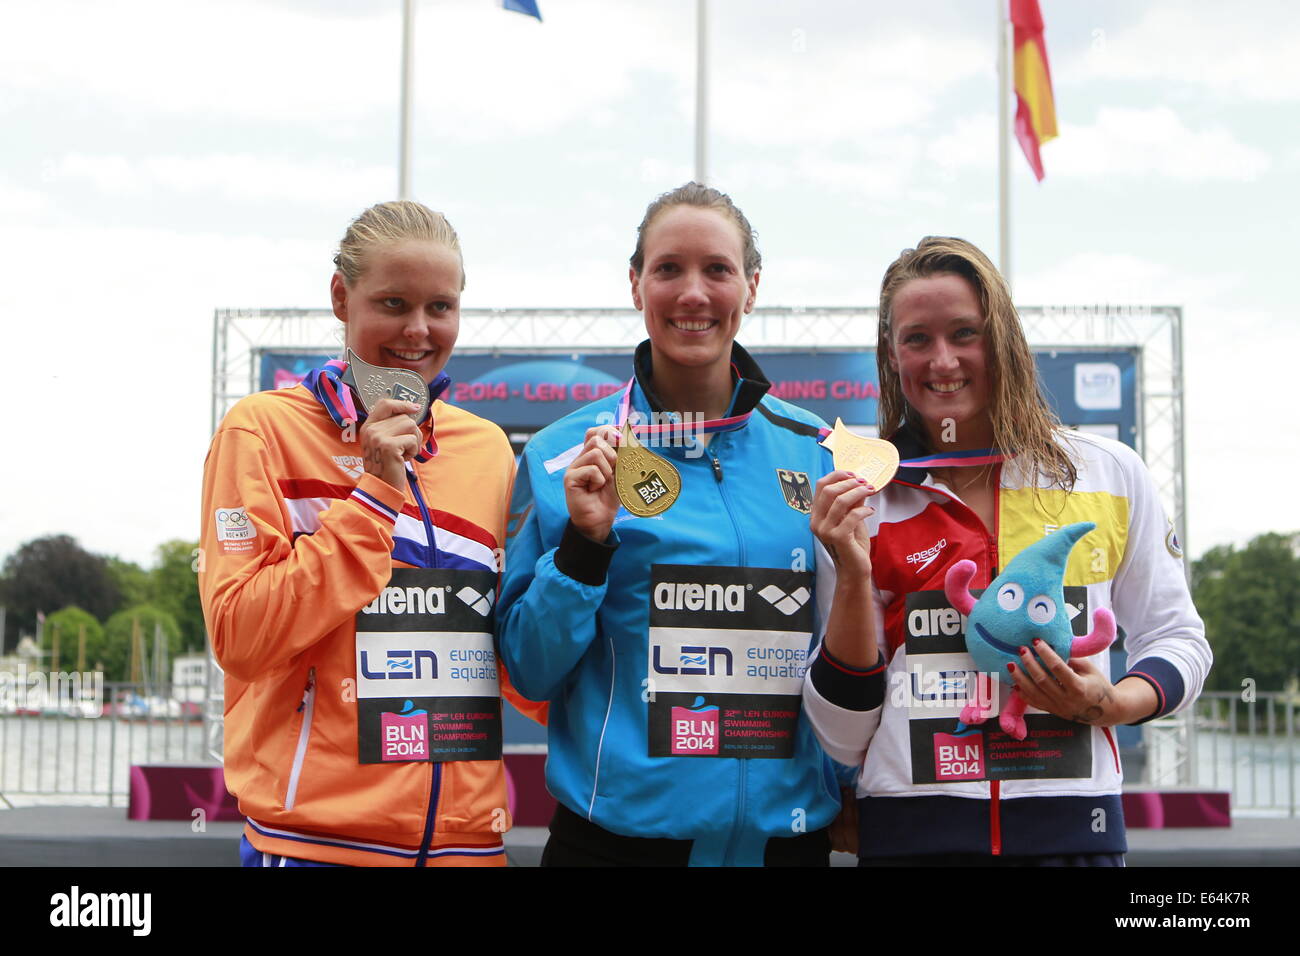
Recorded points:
(350,542)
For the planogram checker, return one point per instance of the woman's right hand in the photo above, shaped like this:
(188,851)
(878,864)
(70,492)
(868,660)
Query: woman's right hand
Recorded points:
(389,439)
(589,490)
(839,515)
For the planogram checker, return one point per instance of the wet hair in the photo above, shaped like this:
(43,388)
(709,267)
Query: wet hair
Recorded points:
(389,222)
(702,197)
(1023,422)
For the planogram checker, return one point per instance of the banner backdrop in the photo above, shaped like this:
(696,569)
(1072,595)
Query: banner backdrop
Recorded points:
(1095,390)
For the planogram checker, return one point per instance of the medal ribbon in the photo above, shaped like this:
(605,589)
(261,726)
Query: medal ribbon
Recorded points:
(325,383)
(678,429)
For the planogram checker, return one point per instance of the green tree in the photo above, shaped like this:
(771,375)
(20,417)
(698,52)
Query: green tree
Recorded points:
(133,582)
(118,636)
(1249,599)
(67,624)
(50,573)
(175,589)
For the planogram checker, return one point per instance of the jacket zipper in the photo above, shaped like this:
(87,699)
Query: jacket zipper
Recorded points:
(740,761)
(991,547)
(995,817)
(435,784)
(431,551)
(422,859)
(300,752)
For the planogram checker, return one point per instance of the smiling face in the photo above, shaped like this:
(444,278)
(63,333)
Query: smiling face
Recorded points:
(938,347)
(693,290)
(403,311)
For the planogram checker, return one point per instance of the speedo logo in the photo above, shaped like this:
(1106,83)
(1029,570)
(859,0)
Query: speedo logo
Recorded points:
(479,602)
(680,596)
(409,601)
(926,558)
(785,603)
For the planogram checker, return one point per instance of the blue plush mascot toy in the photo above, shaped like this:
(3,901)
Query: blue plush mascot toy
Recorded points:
(1024,602)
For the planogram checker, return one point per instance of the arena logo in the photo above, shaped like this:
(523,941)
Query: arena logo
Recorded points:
(682,596)
(936,622)
(401,665)
(408,601)
(694,660)
(787,604)
(482,603)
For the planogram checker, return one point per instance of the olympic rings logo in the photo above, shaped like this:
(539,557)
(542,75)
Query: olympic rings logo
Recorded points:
(232,518)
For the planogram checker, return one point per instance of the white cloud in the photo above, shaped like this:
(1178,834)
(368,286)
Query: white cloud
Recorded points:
(481,73)
(1120,143)
(859,88)
(1246,51)
(18,200)
(226,176)
(1087,278)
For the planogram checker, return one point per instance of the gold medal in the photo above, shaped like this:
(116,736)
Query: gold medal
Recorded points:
(647,484)
(873,459)
(370,383)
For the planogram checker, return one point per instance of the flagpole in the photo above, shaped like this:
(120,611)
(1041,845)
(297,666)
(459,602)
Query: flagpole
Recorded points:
(408,68)
(701,90)
(1004,141)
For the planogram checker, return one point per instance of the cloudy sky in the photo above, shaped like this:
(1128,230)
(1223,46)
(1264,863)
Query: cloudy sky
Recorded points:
(164,159)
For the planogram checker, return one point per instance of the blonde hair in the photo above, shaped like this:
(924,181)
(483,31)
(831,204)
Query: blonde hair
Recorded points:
(389,222)
(1023,422)
(702,197)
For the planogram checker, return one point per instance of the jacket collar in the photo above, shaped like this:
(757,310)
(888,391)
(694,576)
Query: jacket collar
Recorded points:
(750,384)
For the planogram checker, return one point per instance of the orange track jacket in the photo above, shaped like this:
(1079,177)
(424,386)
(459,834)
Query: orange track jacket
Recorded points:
(296,541)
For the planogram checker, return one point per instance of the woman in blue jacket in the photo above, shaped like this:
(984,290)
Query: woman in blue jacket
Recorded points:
(672,647)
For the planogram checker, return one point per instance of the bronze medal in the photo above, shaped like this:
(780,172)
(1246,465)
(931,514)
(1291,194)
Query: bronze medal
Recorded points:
(371,383)
(873,459)
(647,484)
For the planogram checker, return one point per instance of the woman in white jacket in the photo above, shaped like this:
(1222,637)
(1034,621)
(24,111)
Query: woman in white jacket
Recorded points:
(987,470)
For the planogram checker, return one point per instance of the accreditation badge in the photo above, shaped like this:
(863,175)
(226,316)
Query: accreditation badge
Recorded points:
(727,651)
(942,679)
(427,687)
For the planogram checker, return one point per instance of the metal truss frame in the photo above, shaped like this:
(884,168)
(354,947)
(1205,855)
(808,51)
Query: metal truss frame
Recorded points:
(240,336)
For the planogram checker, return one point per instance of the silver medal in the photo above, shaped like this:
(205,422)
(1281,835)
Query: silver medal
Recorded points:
(370,383)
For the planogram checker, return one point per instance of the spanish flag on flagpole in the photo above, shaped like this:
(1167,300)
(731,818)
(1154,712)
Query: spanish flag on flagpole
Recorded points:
(1035,106)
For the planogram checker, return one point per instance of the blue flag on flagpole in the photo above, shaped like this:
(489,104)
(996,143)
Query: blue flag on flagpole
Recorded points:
(523,6)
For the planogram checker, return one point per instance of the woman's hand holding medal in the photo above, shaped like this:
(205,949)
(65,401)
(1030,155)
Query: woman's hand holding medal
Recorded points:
(589,489)
(389,439)
(839,513)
